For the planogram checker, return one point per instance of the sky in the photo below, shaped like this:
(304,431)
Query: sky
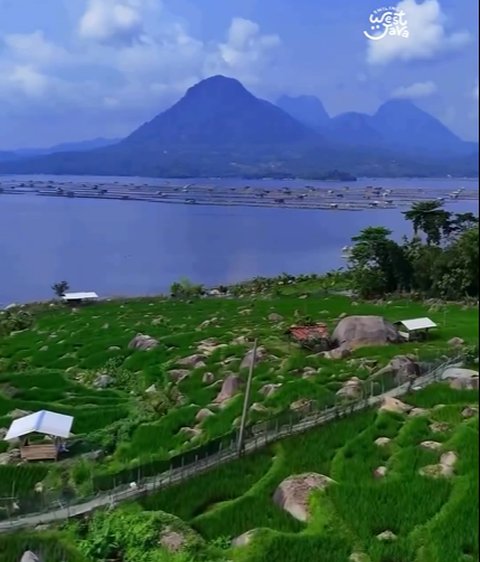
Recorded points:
(73,70)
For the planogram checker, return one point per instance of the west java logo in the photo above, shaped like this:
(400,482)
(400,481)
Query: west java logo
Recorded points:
(387,21)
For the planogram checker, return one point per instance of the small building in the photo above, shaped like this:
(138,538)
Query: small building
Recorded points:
(313,336)
(25,429)
(78,298)
(415,329)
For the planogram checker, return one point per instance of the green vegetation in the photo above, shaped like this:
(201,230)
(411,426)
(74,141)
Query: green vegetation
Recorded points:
(139,412)
(446,265)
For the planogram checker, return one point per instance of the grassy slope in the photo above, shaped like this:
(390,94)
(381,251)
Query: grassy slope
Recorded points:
(43,367)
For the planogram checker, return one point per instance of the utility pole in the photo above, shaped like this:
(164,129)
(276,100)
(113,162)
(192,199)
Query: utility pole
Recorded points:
(247,398)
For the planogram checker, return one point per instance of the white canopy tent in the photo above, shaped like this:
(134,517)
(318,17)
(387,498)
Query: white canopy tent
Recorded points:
(45,422)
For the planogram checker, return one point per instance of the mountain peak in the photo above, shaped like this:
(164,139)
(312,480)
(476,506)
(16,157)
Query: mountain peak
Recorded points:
(220,111)
(217,85)
(307,109)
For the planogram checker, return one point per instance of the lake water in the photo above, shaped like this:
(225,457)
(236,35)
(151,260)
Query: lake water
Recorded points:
(120,248)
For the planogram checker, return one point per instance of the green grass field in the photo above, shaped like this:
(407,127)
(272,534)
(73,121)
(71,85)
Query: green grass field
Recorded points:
(54,365)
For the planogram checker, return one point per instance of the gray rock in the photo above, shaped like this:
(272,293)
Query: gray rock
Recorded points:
(351,389)
(29,556)
(231,385)
(208,378)
(244,539)
(303,405)
(382,441)
(178,375)
(143,342)
(102,381)
(467,412)
(293,493)
(172,540)
(358,331)
(248,359)
(387,536)
(456,342)
(151,389)
(270,389)
(203,414)
(380,472)
(461,379)
(274,317)
(192,361)
(18,413)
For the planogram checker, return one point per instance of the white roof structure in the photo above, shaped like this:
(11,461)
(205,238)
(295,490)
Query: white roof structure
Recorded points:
(418,324)
(48,423)
(79,296)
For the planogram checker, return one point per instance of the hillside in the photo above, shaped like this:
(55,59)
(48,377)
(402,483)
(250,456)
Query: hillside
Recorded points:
(156,384)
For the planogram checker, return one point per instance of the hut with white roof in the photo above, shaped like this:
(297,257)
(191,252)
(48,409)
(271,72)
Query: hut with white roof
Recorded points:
(54,425)
(415,329)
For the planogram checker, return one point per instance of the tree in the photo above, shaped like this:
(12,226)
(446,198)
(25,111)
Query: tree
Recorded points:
(185,289)
(430,218)
(378,264)
(457,273)
(60,288)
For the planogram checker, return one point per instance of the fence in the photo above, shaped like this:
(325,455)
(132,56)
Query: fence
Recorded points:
(154,476)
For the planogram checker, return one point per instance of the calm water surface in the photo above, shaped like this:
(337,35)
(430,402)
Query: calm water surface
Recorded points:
(136,248)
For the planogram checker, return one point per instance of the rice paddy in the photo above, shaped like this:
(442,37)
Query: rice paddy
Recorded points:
(56,364)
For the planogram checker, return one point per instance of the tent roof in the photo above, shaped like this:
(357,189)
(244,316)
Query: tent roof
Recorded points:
(81,295)
(418,324)
(48,423)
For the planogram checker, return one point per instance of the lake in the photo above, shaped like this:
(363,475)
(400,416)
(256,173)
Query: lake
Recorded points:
(127,248)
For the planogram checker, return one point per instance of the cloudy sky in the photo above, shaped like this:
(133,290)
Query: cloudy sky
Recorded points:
(78,69)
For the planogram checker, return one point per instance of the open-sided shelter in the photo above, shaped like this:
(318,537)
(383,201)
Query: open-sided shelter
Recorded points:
(54,425)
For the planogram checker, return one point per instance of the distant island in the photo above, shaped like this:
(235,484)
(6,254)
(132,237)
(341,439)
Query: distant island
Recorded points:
(218,128)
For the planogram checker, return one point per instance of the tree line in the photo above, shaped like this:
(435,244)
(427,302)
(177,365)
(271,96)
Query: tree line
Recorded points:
(440,259)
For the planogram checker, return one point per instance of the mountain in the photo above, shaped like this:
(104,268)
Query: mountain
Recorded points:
(5,156)
(79,146)
(352,129)
(218,128)
(308,110)
(219,112)
(404,125)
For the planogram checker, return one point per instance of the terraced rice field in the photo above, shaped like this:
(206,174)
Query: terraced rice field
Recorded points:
(431,519)
(131,407)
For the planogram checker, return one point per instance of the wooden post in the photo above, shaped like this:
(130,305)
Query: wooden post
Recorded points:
(241,436)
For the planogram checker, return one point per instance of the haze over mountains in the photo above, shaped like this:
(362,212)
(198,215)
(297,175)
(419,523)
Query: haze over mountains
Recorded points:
(218,128)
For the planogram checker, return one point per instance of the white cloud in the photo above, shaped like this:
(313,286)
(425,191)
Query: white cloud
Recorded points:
(112,21)
(475,92)
(428,36)
(244,52)
(34,48)
(28,81)
(416,90)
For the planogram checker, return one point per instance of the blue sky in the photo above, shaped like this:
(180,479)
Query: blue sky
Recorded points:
(78,69)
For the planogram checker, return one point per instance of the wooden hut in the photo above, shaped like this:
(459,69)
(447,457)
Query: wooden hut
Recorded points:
(312,336)
(56,426)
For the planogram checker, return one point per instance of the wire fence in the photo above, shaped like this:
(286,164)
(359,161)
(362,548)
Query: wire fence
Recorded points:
(131,483)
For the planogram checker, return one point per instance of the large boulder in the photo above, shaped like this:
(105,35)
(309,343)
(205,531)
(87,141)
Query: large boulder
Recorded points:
(358,331)
(245,538)
(142,342)
(461,379)
(293,493)
(231,385)
(404,368)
